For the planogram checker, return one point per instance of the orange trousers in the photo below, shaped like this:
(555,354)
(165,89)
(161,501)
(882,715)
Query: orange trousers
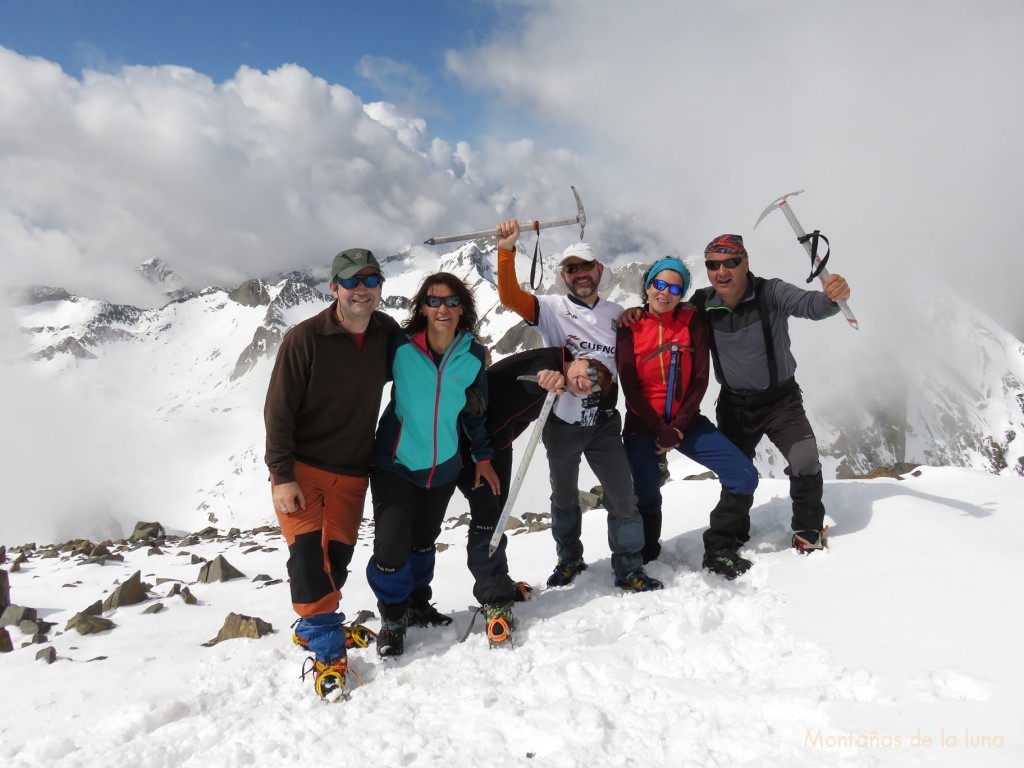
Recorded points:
(321,538)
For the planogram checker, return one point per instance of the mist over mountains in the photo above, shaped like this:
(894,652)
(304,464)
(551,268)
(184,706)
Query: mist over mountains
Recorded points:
(157,413)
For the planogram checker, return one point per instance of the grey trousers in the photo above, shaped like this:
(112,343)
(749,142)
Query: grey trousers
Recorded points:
(602,446)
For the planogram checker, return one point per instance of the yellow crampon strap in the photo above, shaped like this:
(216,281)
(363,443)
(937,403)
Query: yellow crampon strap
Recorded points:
(358,636)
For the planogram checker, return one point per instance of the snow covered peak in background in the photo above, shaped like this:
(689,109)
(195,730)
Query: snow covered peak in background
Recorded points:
(157,413)
(156,272)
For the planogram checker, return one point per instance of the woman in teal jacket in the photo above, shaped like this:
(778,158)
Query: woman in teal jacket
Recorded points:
(437,366)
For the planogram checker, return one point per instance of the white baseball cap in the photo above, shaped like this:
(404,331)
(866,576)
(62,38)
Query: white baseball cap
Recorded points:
(581,251)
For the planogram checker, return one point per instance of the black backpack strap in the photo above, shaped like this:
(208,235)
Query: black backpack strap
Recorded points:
(699,300)
(766,328)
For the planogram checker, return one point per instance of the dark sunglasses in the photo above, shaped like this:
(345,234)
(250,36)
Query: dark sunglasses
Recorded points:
(661,285)
(370,281)
(732,263)
(579,266)
(436,301)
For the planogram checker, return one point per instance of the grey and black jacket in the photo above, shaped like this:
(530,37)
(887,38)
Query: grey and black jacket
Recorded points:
(750,345)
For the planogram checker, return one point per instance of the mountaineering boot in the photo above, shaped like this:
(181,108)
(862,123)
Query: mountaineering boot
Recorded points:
(652,532)
(422,613)
(500,624)
(358,636)
(391,638)
(427,616)
(726,563)
(328,677)
(637,581)
(564,573)
(808,541)
(522,592)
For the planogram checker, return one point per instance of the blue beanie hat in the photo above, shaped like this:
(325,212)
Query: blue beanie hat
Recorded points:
(669,262)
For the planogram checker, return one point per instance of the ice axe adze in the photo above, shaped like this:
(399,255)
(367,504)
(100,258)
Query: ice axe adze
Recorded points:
(803,238)
(580,218)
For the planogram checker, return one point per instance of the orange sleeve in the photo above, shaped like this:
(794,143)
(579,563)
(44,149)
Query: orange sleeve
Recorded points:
(510,294)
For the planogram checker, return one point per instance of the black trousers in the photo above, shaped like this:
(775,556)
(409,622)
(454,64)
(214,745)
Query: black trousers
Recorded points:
(492,583)
(407,521)
(779,414)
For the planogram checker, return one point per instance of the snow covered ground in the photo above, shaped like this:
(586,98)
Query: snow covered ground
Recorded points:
(894,648)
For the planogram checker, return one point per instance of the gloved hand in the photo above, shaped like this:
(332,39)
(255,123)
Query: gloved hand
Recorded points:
(667,437)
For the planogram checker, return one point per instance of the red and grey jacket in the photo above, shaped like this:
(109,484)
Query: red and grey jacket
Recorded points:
(644,357)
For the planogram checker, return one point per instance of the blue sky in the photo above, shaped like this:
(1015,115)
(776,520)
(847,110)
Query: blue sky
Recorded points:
(329,39)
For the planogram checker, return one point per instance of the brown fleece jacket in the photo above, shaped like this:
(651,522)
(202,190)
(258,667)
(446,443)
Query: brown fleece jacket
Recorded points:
(324,396)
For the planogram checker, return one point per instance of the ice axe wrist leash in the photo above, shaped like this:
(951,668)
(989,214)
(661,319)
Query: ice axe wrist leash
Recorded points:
(810,244)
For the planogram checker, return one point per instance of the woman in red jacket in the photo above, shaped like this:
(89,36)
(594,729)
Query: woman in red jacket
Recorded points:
(663,369)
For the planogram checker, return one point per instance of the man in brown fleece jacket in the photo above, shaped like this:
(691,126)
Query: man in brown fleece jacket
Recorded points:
(320,414)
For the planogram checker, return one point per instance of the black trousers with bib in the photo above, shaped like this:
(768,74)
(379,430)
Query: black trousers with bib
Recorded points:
(779,414)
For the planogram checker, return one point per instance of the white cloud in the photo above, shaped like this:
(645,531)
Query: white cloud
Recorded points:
(898,118)
(683,119)
(262,173)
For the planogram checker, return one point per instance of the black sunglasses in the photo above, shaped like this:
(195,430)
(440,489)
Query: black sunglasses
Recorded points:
(661,285)
(436,301)
(579,266)
(370,281)
(731,263)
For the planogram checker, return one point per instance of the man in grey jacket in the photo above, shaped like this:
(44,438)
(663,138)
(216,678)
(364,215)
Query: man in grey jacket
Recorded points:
(748,334)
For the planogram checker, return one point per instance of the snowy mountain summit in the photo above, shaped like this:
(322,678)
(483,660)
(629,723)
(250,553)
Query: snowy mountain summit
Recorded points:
(196,369)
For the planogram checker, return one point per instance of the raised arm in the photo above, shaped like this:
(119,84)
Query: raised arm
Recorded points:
(510,293)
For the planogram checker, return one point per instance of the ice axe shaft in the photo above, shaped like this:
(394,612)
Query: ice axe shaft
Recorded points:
(524,464)
(580,218)
(782,203)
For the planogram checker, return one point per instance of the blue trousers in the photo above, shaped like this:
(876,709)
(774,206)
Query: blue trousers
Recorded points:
(703,443)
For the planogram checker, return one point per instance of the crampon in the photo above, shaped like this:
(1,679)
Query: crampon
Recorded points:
(500,624)
(330,679)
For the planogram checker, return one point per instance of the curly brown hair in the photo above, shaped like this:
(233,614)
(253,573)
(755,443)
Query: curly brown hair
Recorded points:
(417,321)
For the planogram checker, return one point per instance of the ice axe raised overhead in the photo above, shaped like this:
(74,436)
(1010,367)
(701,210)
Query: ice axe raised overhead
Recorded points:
(810,244)
(580,218)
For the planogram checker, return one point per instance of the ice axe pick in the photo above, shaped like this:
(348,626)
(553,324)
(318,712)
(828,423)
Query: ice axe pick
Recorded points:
(783,204)
(580,218)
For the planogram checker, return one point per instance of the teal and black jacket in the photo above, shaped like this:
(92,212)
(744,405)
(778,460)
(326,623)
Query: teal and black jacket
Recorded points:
(418,434)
